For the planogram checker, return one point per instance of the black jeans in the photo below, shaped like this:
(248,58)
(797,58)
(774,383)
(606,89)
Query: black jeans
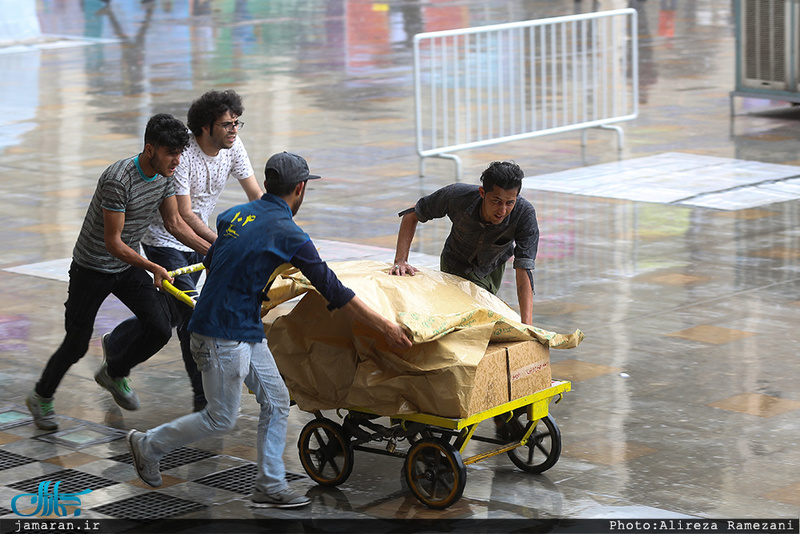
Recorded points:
(172,259)
(136,342)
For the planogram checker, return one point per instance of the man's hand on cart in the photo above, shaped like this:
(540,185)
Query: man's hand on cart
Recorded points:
(403,268)
(394,334)
(187,298)
(159,275)
(396,337)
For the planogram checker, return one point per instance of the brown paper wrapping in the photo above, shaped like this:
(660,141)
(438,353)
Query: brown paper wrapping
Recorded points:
(330,362)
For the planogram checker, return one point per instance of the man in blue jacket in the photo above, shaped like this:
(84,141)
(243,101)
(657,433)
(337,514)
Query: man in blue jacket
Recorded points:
(256,241)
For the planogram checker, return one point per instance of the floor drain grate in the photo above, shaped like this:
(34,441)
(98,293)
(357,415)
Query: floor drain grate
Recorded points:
(148,507)
(71,482)
(176,458)
(292,477)
(9,460)
(239,479)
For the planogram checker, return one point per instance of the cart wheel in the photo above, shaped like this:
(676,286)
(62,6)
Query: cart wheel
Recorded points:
(543,448)
(435,473)
(325,452)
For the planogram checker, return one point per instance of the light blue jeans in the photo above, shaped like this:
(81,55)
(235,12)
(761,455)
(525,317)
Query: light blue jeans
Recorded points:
(225,364)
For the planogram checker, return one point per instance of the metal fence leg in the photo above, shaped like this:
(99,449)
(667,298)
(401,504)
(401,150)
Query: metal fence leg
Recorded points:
(452,157)
(457,161)
(620,134)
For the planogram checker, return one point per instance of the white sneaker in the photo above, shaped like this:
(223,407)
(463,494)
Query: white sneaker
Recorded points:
(280,499)
(146,469)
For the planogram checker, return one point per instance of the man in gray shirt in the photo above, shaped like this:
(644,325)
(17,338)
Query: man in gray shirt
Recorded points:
(491,223)
(106,260)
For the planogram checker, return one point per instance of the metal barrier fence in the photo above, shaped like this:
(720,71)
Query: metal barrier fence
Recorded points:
(475,87)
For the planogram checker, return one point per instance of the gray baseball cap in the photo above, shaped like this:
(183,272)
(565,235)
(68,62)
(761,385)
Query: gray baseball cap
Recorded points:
(291,168)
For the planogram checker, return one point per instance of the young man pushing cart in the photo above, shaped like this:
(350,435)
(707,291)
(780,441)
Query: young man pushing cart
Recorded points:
(106,260)
(215,154)
(256,241)
(491,223)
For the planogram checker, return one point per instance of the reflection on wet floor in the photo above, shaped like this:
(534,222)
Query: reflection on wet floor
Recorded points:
(681,179)
(684,400)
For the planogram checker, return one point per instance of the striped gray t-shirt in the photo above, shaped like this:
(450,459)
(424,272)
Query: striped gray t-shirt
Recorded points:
(122,187)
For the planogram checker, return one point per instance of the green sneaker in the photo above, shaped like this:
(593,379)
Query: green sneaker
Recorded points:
(119,388)
(44,416)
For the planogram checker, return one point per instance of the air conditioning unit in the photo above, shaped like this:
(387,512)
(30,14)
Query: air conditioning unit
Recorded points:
(768,49)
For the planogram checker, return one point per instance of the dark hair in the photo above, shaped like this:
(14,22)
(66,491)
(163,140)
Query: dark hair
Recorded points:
(503,174)
(164,129)
(275,186)
(211,106)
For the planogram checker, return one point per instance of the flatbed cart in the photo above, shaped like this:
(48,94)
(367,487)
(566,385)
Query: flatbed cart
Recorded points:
(434,467)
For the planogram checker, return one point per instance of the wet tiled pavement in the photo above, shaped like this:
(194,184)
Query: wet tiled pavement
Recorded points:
(684,396)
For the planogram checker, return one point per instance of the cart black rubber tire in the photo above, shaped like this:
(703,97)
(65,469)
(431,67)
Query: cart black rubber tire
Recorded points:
(325,452)
(435,473)
(543,448)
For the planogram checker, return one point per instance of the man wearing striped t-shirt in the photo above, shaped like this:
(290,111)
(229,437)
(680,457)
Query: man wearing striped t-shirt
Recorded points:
(106,260)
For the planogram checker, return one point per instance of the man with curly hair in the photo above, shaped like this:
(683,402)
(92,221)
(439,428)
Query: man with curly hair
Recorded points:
(106,260)
(214,153)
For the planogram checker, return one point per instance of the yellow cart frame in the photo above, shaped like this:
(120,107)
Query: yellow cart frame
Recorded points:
(434,467)
(177,293)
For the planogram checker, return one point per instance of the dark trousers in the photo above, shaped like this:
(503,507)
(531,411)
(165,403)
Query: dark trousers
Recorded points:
(144,336)
(172,259)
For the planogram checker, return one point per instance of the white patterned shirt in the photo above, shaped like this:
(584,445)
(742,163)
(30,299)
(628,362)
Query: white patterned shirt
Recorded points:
(203,178)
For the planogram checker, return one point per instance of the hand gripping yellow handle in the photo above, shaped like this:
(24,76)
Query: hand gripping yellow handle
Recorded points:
(177,293)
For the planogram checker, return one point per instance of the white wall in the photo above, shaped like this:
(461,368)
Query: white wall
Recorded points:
(18,21)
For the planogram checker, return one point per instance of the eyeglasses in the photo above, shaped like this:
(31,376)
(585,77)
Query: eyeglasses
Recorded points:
(229,126)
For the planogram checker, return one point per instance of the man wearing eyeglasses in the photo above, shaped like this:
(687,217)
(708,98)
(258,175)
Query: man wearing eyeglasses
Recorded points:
(214,154)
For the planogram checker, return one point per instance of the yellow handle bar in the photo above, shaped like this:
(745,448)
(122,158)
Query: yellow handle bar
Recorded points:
(177,293)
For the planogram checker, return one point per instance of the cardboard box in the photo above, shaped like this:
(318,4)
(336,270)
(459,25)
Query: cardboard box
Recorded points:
(528,368)
(508,371)
(490,387)
(505,372)
(452,370)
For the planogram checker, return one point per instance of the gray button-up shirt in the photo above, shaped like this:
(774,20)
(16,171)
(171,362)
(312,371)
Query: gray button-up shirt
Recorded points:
(476,246)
